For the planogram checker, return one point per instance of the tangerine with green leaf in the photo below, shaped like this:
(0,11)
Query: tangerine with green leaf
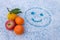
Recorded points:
(13,13)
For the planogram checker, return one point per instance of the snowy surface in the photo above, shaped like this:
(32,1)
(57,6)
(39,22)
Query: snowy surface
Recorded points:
(32,31)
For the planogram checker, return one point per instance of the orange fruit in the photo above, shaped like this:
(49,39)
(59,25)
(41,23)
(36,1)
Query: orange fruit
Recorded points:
(19,29)
(19,20)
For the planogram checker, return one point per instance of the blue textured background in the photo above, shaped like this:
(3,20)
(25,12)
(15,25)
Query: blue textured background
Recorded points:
(52,32)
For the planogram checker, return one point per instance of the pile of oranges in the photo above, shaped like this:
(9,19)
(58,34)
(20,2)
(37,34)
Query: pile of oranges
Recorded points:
(18,21)
(19,29)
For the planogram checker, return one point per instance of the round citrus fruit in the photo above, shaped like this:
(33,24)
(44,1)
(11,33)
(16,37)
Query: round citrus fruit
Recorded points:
(19,29)
(11,16)
(19,20)
(13,13)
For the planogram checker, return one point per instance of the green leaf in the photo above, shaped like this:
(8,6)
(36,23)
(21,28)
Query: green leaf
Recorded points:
(16,11)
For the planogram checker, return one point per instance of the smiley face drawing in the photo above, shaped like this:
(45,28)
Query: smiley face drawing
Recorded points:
(38,17)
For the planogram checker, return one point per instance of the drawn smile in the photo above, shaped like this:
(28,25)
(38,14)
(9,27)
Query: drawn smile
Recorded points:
(38,17)
(36,20)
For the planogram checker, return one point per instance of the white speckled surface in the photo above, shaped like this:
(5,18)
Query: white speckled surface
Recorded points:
(50,32)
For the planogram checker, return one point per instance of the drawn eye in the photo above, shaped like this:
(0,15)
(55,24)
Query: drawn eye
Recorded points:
(32,13)
(41,14)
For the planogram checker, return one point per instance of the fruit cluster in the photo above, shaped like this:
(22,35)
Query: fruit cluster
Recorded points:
(14,21)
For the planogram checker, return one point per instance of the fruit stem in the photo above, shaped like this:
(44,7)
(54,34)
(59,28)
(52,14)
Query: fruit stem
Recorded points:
(8,10)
